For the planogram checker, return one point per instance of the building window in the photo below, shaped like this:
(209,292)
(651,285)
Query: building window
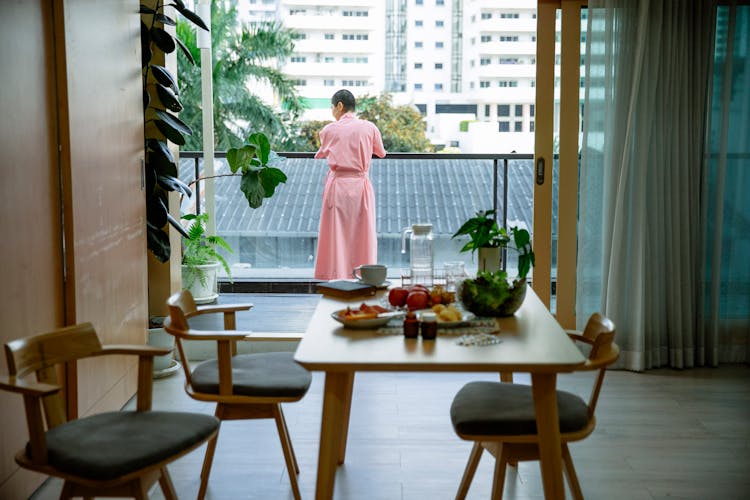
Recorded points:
(439,45)
(506,15)
(294,12)
(328,59)
(486,15)
(503,110)
(419,2)
(471,85)
(485,38)
(329,36)
(417,65)
(418,23)
(439,2)
(355,13)
(531,126)
(486,110)
(454,144)
(508,60)
(439,87)
(418,45)
(485,61)
(503,126)
(300,83)
(299,36)
(484,84)
(439,24)
(502,83)
(519,110)
(438,65)
(329,83)
(532,107)
(508,38)
(350,36)
(417,86)
(518,126)
(298,59)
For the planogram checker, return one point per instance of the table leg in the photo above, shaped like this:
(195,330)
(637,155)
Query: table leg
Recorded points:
(548,428)
(346,411)
(336,400)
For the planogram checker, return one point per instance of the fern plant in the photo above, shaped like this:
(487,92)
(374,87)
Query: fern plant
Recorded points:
(200,249)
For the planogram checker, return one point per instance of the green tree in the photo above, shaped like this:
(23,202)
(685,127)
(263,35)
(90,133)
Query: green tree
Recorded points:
(242,56)
(309,135)
(402,127)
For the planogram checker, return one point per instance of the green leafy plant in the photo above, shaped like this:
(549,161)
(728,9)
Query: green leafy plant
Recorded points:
(490,294)
(200,248)
(483,231)
(160,103)
(254,163)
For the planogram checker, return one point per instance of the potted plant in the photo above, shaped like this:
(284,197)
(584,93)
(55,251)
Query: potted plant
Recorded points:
(201,259)
(486,238)
(158,337)
(491,293)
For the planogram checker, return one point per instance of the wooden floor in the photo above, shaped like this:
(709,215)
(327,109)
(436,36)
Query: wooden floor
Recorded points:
(663,434)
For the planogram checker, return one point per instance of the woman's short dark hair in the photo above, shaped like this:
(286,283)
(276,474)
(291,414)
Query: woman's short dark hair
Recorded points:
(344,97)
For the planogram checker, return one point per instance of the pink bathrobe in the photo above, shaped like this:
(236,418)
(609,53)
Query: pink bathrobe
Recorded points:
(347,236)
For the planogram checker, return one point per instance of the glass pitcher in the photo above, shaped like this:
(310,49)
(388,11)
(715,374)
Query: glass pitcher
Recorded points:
(420,253)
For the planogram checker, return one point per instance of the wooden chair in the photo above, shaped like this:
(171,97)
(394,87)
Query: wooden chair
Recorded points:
(246,386)
(499,417)
(110,454)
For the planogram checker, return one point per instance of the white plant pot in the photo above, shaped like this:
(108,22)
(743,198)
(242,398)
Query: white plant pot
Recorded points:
(489,259)
(158,337)
(201,281)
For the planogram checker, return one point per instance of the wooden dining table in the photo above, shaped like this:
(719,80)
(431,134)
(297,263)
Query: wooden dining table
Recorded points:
(531,341)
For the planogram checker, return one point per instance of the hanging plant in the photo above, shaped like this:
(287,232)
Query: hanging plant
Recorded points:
(160,102)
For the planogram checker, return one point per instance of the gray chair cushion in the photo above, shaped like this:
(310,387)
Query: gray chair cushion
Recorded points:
(495,408)
(109,445)
(268,374)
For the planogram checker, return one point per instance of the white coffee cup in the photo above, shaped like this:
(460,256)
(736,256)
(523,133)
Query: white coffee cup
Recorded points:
(371,274)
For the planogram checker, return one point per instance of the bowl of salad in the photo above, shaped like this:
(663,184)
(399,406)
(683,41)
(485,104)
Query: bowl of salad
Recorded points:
(492,294)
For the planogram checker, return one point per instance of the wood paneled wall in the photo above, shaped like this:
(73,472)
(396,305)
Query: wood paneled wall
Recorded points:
(70,76)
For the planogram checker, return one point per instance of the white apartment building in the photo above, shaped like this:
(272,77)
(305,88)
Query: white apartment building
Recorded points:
(467,65)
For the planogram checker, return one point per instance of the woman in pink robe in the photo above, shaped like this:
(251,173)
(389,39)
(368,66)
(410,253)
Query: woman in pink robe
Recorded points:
(347,236)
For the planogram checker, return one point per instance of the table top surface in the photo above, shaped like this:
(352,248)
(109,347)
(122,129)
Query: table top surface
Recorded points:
(531,341)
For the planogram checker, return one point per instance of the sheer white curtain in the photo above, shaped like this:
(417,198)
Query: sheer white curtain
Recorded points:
(640,233)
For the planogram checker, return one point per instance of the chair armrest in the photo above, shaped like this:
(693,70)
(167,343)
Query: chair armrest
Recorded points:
(221,308)
(577,337)
(209,334)
(27,387)
(138,350)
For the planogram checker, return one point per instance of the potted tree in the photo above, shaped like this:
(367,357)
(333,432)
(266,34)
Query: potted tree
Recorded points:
(201,259)
(491,293)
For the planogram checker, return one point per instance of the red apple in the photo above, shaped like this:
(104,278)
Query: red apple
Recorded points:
(417,299)
(397,296)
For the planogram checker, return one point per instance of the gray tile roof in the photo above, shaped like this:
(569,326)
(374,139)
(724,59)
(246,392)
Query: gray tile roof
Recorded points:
(444,192)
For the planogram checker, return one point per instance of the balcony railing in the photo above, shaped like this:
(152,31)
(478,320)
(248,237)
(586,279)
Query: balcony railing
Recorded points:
(279,239)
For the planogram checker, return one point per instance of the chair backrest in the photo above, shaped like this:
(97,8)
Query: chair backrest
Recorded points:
(599,334)
(40,354)
(181,306)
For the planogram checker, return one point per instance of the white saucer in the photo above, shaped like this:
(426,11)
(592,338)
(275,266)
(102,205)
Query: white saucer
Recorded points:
(381,286)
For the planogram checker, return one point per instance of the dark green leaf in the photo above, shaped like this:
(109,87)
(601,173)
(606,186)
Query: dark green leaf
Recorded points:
(170,132)
(146,99)
(271,177)
(160,147)
(162,39)
(264,147)
(185,51)
(241,159)
(150,175)
(171,183)
(193,17)
(168,98)
(156,211)
(164,77)
(179,4)
(145,46)
(175,122)
(161,164)
(145,9)
(176,224)
(161,18)
(252,188)
(158,242)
